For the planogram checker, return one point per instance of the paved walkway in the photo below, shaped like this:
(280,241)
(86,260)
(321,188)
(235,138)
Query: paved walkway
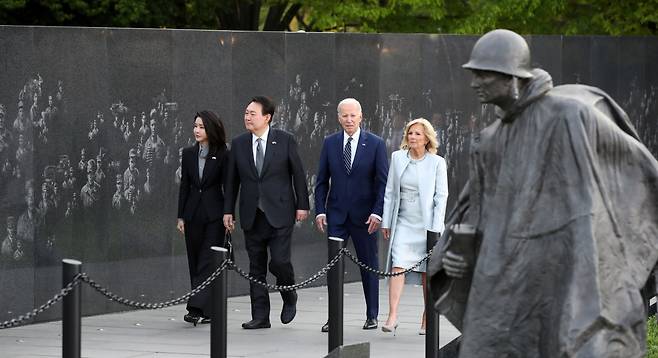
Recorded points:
(162,333)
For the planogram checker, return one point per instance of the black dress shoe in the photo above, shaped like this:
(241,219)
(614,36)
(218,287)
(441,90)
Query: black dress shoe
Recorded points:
(371,323)
(325,327)
(256,324)
(205,320)
(192,318)
(289,309)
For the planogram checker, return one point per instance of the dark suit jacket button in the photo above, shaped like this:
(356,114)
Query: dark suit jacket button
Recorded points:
(200,191)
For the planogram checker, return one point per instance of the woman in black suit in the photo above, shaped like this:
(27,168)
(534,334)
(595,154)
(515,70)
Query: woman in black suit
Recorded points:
(200,206)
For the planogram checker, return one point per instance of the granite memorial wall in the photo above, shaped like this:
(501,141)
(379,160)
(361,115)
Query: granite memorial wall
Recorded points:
(93,120)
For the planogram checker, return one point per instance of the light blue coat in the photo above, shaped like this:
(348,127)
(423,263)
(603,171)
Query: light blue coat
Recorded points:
(432,188)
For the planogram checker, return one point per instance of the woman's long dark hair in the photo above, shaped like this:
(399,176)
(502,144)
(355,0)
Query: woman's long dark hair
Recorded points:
(214,130)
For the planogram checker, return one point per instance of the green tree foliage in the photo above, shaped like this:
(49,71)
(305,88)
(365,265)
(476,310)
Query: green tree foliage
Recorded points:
(371,15)
(623,17)
(652,338)
(567,17)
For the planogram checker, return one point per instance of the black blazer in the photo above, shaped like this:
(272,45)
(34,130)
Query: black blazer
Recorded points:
(206,193)
(281,186)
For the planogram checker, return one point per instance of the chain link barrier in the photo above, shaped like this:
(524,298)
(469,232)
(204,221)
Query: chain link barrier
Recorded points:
(384,273)
(29,315)
(226,264)
(151,306)
(284,288)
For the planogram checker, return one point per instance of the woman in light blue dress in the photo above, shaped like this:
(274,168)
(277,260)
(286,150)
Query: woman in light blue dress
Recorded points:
(414,204)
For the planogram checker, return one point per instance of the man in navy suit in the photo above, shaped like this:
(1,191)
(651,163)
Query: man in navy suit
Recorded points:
(354,162)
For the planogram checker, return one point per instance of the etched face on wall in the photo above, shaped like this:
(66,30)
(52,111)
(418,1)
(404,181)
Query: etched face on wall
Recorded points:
(29,197)
(153,127)
(11,226)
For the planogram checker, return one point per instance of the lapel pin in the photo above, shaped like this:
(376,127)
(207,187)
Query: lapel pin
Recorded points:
(363,144)
(273,142)
(214,157)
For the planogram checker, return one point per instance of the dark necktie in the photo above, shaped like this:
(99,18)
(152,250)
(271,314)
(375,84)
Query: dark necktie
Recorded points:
(347,155)
(259,156)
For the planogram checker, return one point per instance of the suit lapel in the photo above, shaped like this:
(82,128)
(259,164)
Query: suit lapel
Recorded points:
(340,148)
(195,160)
(360,149)
(404,161)
(249,148)
(269,150)
(209,167)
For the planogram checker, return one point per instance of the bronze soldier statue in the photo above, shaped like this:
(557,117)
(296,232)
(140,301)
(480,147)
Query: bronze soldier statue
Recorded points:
(560,214)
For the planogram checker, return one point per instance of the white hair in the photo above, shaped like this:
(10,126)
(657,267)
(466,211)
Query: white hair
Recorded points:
(349,101)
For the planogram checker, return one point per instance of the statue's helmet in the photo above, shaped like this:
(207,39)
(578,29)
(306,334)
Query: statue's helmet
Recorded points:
(501,51)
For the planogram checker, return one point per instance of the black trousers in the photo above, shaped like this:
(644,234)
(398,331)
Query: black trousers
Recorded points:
(200,235)
(258,239)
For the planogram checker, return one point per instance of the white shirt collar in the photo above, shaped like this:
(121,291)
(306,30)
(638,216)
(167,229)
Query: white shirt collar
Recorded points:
(263,144)
(355,137)
(263,137)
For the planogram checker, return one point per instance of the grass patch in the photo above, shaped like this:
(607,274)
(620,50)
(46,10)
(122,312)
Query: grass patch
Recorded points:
(652,337)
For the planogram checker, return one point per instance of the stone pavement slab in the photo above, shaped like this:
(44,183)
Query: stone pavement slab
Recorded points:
(164,334)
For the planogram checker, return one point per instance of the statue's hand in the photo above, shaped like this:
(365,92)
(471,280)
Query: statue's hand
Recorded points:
(454,265)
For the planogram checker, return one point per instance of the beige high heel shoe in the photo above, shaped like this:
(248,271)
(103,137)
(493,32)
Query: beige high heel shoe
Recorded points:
(390,328)
(422,331)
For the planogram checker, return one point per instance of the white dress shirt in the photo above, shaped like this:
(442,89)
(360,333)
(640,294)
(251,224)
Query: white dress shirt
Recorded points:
(263,142)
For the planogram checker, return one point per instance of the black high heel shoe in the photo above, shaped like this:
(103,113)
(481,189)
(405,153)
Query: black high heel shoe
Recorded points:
(192,318)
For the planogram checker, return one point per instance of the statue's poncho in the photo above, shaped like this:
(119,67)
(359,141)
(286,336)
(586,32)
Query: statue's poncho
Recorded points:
(565,200)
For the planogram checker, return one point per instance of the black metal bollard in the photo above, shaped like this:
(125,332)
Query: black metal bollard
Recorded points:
(335,278)
(219,310)
(71,310)
(431,315)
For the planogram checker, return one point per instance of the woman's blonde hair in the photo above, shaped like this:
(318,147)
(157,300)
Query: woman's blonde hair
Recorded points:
(432,143)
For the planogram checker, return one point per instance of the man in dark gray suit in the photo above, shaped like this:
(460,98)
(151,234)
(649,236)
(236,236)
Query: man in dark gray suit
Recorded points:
(265,167)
